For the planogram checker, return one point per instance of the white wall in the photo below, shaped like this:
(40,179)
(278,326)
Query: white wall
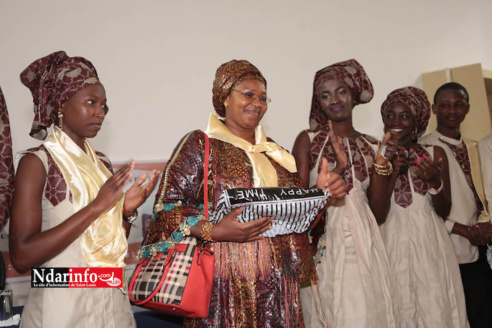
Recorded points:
(157,59)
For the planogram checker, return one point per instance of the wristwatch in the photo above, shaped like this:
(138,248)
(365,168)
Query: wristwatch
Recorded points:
(131,218)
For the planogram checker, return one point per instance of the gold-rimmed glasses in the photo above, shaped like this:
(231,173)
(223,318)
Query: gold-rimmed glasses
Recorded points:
(251,96)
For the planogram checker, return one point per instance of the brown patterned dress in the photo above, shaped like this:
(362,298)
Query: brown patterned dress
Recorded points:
(256,284)
(6,164)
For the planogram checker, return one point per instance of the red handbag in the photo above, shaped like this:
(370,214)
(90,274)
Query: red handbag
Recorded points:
(176,280)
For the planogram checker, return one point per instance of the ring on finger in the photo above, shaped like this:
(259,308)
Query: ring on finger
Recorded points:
(384,151)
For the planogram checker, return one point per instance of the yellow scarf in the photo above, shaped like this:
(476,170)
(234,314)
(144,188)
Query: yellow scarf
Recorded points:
(104,242)
(264,174)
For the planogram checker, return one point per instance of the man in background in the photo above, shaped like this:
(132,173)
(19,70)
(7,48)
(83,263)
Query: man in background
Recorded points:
(468,222)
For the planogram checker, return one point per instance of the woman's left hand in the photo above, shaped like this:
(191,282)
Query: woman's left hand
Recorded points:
(429,171)
(330,181)
(138,193)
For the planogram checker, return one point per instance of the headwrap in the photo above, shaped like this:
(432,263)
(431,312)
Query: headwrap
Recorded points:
(6,164)
(229,75)
(53,80)
(417,101)
(351,73)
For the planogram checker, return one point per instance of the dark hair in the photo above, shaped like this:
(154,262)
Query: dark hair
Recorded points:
(453,86)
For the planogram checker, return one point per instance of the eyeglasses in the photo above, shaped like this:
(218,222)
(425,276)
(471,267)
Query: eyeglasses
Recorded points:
(251,96)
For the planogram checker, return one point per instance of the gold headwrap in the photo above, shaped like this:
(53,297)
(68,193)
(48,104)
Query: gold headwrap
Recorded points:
(104,242)
(264,174)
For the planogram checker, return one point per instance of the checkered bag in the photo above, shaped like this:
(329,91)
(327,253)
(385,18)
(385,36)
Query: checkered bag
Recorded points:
(177,281)
(292,209)
(176,276)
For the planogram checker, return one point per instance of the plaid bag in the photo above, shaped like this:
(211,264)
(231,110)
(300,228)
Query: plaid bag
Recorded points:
(176,276)
(177,281)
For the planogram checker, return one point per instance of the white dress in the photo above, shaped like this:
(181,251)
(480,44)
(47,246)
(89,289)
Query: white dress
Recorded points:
(70,307)
(424,265)
(354,282)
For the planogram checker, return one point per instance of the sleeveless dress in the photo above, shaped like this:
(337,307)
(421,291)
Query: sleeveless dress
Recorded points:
(354,282)
(422,259)
(70,307)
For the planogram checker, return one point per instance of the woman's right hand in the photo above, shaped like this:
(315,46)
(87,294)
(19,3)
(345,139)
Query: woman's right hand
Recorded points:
(113,188)
(230,229)
(387,149)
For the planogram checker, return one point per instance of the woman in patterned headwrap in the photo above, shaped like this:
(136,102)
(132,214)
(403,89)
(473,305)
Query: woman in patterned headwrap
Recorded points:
(422,259)
(354,287)
(256,279)
(6,164)
(68,208)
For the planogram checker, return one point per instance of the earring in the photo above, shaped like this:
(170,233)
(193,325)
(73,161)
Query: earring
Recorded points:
(415,134)
(60,120)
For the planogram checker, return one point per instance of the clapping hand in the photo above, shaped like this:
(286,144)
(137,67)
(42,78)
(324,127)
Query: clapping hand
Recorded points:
(429,171)
(139,192)
(112,188)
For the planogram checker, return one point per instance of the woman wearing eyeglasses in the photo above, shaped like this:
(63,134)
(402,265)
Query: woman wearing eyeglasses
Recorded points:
(256,279)
(354,288)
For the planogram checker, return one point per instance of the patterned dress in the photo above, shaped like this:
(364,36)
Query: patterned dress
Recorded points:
(70,307)
(256,284)
(354,283)
(6,164)
(430,293)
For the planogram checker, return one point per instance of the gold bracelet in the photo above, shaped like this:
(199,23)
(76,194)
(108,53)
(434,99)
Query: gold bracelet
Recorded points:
(384,172)
(383,169)
(207,231)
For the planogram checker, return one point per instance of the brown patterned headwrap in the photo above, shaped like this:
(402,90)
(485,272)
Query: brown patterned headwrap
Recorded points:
(416,100)
(229,75)
(351,73)
(53,80)
(6,164)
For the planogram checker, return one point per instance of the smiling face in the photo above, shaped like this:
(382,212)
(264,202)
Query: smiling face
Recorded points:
(245,113)
(450,108)
(84,113)
(399,120)
(336,100)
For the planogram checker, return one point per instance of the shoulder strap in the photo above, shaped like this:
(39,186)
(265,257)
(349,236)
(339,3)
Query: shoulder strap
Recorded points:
(205,175)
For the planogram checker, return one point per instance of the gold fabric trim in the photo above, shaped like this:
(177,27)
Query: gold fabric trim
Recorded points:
(264,174)
(104,242)
(476,172)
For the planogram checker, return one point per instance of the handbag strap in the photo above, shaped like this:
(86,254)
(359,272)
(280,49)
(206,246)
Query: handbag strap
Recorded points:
(205,175)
